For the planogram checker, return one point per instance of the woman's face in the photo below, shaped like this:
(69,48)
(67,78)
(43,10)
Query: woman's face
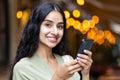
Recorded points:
(52,29)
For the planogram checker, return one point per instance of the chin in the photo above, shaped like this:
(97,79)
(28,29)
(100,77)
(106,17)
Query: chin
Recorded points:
(52,45)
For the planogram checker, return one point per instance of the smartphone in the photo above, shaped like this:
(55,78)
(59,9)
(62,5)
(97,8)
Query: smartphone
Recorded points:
(85,44)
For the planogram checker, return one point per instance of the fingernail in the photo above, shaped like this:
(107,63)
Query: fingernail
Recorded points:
(78,58)
(78,54)
(85,50)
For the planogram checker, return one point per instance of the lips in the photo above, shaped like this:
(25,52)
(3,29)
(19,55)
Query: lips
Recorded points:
(52,39)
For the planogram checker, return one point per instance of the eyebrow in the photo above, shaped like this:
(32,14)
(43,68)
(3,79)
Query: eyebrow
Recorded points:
(53,21)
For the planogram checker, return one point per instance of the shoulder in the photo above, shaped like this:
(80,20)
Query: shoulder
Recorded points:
(22,70)
(22,65)
(23,61)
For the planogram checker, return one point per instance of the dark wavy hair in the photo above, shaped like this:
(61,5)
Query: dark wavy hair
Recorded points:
(30,37)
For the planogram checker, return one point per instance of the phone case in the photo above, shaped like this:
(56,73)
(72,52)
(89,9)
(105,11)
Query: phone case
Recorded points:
(85,44)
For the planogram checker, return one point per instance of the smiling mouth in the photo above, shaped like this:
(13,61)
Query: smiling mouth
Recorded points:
(52,39)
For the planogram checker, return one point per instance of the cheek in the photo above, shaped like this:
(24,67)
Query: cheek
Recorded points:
(44,31)
(42,34)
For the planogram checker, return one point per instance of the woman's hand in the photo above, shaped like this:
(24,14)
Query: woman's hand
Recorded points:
(66,70)
(85,61)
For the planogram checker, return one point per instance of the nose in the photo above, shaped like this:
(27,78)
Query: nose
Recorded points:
(54,30)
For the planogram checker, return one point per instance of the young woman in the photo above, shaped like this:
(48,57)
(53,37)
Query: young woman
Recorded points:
(42,45)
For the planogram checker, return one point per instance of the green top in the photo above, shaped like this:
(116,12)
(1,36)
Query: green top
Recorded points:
(35,68)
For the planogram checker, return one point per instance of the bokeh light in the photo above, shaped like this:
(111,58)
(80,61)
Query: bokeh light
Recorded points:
(95,19)
(77,24)
(80,2)
(76,13)
(19,14)
(70,21)
(67,14)
(91,33)
(109,36)
(99,37)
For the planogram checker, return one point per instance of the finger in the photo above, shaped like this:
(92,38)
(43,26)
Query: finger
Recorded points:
(76,70)
(82,56)
(85,63)
(89,53)
(73,67)
(70,63)
(85,59)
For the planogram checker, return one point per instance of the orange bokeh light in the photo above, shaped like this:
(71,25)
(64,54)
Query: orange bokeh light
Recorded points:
(67,14)
(95,19)
(99,37)
(76,13)
(91,33)
(70,21)
(77,24)
(109,36)
(80,2)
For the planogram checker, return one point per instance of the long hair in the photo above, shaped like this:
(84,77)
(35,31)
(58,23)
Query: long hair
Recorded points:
(30,37)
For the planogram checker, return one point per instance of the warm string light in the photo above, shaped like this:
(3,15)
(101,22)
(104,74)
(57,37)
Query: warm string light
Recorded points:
(109,36)
(22,16)
(80,2)
(19,14)
(76,13)
(67,14)
(77,24)
(87,27)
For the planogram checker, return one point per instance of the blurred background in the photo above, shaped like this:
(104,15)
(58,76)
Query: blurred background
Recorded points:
(91,19)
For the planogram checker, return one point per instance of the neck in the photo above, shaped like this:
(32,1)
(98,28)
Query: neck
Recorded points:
(45,52)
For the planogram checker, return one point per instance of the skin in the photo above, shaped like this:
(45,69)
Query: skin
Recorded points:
(85,61)
(51,33)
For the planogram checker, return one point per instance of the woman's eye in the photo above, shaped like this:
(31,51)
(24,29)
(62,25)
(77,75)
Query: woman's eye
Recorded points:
(48,25)
(60,27)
